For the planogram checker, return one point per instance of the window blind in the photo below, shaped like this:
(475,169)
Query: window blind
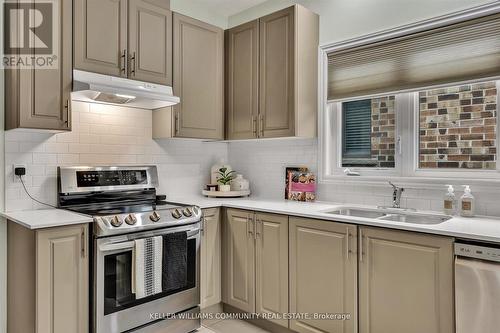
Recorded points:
(357,129)
(459,52)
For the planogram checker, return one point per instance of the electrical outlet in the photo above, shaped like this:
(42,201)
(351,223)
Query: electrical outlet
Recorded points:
(16,178)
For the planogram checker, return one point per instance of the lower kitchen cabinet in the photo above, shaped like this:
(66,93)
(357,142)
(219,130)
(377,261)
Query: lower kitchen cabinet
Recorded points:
(256,265)
(271,265)
(211,258)
(48,285)
(323,274)
(239,263)
(406,282)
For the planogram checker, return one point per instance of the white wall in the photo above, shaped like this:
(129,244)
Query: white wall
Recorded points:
(345,19)
(3,225)
(199,11)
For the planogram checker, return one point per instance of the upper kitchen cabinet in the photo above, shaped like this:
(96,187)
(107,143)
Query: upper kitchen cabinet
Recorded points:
(128,38)
(273,61)
(101,36)
(242,80)
(39,97)
(198,79)
(150,42)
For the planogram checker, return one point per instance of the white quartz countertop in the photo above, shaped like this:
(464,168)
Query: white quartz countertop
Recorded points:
(477,228)
(46,218)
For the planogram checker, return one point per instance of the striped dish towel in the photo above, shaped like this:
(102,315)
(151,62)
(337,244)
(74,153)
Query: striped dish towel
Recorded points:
(147,270)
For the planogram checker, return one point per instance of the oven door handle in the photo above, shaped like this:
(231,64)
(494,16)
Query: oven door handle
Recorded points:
(117,246)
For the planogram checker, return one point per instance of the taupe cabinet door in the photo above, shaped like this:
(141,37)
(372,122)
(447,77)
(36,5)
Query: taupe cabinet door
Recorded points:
(242,80)
(406,282)
(239,250)
(101,36)
(62,280)
(150,42)
(323,274)
(211,258)
(40,98)
(198,79)
(272,77)
(271,285)
(277,46)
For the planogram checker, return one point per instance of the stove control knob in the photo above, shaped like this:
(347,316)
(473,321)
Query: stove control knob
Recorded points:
(187,212)
(116,221)
(155,217)
(176,214)
(131,219)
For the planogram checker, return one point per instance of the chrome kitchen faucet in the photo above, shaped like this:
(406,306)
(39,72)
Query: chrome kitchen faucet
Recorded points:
(396,195)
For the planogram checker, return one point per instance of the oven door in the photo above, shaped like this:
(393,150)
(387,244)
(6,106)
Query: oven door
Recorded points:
(115,307)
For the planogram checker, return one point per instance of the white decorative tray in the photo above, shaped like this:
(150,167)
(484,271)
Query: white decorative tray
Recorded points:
(230,194)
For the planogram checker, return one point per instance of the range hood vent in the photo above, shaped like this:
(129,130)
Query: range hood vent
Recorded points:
(105,89)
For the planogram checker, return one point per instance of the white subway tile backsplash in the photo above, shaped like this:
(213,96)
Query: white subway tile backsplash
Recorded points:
(43,158)
(68,159)
(263,163)
(104,135)
(56,148)
(12,147)
(115,135)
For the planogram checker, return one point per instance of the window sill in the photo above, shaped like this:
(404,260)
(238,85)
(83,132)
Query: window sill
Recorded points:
(414,182)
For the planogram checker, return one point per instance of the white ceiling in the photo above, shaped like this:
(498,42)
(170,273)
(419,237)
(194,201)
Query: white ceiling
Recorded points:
(229,7)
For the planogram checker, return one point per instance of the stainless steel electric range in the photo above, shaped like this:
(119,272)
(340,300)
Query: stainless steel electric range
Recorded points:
(124,206)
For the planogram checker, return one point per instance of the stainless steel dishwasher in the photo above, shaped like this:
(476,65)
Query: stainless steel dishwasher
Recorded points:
(477,288)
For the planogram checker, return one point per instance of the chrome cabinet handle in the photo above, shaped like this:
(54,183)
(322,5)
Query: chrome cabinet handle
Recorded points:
(254,126)
(261,125)
(347,249)
(250,230)
(123,60)
(67,106)
(202,228)
(360,245)
(176,123)
(133,60)
(258,234)
(84,246)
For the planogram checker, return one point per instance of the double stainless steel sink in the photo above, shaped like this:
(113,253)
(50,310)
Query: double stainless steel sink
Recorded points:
(391,214)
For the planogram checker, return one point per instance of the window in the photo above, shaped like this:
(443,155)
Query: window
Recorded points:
(451,129)
(369,133)
(416,101)
(458,127)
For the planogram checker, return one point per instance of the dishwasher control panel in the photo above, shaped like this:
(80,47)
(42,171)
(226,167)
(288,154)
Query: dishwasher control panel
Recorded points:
(477,252)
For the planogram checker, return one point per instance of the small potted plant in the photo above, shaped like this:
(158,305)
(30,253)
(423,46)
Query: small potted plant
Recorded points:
(224,179)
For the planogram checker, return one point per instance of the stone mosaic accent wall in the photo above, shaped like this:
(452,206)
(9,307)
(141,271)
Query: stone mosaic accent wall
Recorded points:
(383,131)
(458,127)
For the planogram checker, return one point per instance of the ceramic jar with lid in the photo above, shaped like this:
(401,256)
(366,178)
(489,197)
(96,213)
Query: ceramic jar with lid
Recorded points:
(240,184)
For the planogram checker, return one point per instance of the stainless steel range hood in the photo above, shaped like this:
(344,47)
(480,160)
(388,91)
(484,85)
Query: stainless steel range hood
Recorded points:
(104,89)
